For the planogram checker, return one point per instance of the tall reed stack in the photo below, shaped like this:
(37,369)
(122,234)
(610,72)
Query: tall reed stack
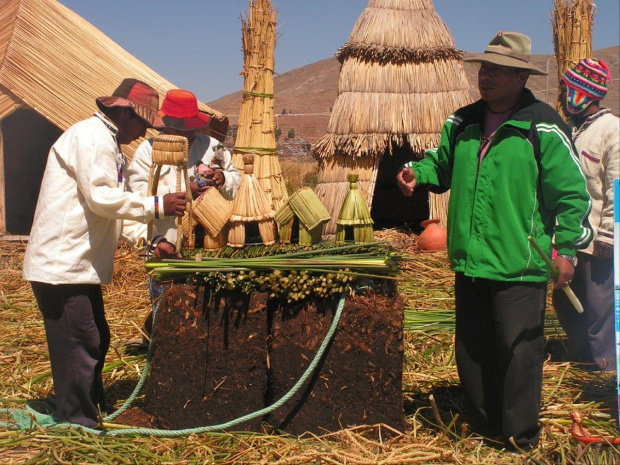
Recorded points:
(572,22)
(400,79)
(256,132)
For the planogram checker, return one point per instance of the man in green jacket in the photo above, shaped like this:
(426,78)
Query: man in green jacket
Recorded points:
(513,173)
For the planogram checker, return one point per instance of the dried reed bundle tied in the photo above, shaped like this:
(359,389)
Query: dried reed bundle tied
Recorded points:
(187,230)
(572,22)
(256,131)
(212,211)
(172,150)
(354,212)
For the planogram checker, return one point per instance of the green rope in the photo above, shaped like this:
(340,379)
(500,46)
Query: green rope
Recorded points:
(254,149)
(205,429)
(256,94)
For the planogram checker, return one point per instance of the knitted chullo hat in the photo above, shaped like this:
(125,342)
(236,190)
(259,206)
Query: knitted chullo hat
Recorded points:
(586,82)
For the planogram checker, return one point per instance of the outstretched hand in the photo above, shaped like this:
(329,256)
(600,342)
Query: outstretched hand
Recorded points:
(406,181)
(174,204)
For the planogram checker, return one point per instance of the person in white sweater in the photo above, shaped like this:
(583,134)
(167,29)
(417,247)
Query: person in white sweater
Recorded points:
(596,134)
(74,236)
(180,116)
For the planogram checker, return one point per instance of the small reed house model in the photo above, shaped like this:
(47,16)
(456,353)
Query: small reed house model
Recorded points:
(311,215)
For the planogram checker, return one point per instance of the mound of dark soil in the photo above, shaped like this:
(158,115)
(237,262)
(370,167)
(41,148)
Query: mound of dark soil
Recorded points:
(214,363)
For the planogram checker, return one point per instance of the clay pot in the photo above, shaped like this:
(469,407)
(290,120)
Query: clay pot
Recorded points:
(434,237)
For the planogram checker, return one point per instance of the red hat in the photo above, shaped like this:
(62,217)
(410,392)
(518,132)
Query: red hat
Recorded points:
(137,95)
(180,111)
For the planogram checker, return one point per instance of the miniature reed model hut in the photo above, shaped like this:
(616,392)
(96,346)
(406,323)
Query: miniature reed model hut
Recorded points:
(310,213)
(354,216)
(400,79)
(251,204)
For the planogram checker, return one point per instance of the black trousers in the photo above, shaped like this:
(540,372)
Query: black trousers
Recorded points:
(500,355)
(78,338)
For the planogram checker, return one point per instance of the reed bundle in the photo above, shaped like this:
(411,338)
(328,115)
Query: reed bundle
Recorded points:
(572,22)
(354,215)
(59,63)
(256,131)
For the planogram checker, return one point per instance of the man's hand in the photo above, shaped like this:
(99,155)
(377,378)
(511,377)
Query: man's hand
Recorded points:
(165,249)
(406,181)
(566,272)
(603,250)
(197,190)
(218,178)
(174,204)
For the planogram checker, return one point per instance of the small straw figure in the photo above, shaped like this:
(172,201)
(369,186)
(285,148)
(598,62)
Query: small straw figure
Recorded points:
(171,150)
(354,214)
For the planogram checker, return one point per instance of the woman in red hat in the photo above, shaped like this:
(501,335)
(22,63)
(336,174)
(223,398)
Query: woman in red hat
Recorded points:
(180,116)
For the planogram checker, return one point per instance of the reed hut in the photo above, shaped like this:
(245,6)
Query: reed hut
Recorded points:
(53,64)
(400,78)
(572,22)
(256,131)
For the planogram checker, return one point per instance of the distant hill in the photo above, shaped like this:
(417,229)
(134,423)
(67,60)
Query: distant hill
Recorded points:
(304,96)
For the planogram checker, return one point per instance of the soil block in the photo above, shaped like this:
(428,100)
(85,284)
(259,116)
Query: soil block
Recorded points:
(214,363)
(359,380)
(209,361)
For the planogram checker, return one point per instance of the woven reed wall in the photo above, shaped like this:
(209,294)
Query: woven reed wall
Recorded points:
(58,63)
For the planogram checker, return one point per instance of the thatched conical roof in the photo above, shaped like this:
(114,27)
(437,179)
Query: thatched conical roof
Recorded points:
(54,61)
(401,77)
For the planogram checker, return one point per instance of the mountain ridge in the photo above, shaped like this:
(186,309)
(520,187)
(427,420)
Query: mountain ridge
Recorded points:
(304,96)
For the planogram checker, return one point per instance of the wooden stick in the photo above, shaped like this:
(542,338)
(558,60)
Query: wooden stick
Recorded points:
(555,272)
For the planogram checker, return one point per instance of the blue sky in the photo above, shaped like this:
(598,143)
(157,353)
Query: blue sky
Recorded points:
(196,44)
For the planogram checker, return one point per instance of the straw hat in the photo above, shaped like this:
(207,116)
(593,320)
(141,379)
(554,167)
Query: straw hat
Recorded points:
(180,111)
(137,95)
(511,49)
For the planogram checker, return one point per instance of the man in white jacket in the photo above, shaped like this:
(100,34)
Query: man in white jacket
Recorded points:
(180,116)
(596,134)
(77,224)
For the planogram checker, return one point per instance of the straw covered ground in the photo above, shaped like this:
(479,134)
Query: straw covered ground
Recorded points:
(436,432)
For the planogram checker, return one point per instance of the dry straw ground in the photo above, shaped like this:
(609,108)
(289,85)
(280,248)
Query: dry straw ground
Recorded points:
(436,433)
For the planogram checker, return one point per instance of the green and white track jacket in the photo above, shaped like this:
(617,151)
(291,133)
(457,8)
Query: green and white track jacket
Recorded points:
(529,183)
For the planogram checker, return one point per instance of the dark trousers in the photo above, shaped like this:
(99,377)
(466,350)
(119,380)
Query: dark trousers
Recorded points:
(591,334)
(500,355)
(78,338)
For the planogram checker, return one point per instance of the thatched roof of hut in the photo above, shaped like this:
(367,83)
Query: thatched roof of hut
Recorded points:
(400,78)
(55,62)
